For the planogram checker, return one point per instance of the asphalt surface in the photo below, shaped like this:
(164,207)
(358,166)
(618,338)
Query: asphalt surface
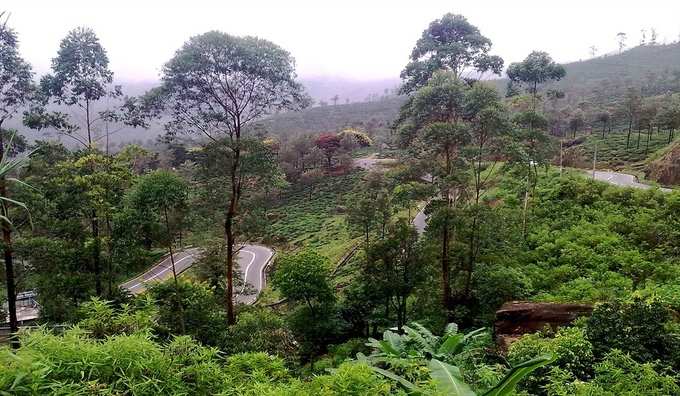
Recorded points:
(371,162)
(622,179)
(252,260)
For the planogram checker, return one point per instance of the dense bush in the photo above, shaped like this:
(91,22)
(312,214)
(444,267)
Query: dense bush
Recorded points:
(75,364)
(617,375)
(204,316)
(261,330)
(637,327)
(573,350)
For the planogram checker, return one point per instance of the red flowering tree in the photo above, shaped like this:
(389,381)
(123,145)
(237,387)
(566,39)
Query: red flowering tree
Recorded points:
(329,143)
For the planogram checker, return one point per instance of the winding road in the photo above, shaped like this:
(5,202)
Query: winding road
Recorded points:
(622,179)
(252,261)
(420,220)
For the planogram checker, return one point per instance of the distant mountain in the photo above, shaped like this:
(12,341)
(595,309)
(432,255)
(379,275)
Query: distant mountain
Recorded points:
(320,88)
(371,116)
(372,103)
(325,88)
(654,69)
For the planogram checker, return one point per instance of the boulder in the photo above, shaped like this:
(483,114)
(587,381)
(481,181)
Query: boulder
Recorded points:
(516,318)
(666,169)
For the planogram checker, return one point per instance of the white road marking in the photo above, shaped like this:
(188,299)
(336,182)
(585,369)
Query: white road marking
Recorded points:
(259,282)
(159,273)
(245,273)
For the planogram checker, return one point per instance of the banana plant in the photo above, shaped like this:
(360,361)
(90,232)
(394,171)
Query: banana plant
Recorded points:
(419,343)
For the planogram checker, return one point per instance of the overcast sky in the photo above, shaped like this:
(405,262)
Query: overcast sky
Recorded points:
(367,39)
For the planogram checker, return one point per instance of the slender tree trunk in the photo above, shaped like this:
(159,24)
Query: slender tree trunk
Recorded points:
(446,266)
(229,225)
(9,259)
(524,212)
(630,129)
(178,299)
(649,136)
(110,260)
(87,122)
(96,258)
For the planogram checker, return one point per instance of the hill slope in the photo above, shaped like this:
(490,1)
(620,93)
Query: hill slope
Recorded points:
(367,115)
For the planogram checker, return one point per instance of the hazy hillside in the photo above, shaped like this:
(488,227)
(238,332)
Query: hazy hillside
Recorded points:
(325,88)
(368,115)
(655,69)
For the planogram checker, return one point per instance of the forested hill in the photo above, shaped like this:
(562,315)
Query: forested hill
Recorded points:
(655,69)
(367,115)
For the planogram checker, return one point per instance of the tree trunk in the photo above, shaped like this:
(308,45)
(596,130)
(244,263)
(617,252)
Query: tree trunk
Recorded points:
(9,262)
(178,298)
(446,270)
(96,254)
(229,227)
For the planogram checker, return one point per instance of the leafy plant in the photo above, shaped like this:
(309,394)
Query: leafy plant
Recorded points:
(435,352)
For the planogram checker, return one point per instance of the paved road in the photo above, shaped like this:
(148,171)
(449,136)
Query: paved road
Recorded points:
(622,179)
(372,162)
(252,260)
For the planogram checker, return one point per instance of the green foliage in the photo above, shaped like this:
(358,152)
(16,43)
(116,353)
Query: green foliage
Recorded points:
(636,327)
(102,320)
(304,277)
(203,315)
(450,43)
(536,69)
(617,374)
(350,379)
(74,364)
(15,76)
(570,346)
(260,330)
(413,361)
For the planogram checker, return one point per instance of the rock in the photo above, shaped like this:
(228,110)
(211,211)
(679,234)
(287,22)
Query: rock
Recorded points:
(666,169)
(516,318)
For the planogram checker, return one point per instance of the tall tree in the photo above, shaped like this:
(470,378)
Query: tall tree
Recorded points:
(450,43)
(395,266)
(80,78)
(164,193)
(632,106)
(432,124)
(621,38)
(537,68)
(214,86)
(16,87)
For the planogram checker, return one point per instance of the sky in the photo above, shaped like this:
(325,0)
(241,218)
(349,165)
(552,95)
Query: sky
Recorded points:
(362,40)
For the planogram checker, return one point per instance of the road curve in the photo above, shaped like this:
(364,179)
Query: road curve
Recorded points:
(622,179)
(252,260)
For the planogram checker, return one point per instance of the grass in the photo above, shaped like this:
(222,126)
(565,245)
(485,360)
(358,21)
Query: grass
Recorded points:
(314,218)
(612,151)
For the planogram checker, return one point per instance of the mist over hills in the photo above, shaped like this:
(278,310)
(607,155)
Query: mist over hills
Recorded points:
(655,69)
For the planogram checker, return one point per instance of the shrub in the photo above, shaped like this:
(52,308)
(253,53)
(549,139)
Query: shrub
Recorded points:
(101,319)
(350,379)
(617,375)
(261,330)
(204,317)
(637,327)
(573,350)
